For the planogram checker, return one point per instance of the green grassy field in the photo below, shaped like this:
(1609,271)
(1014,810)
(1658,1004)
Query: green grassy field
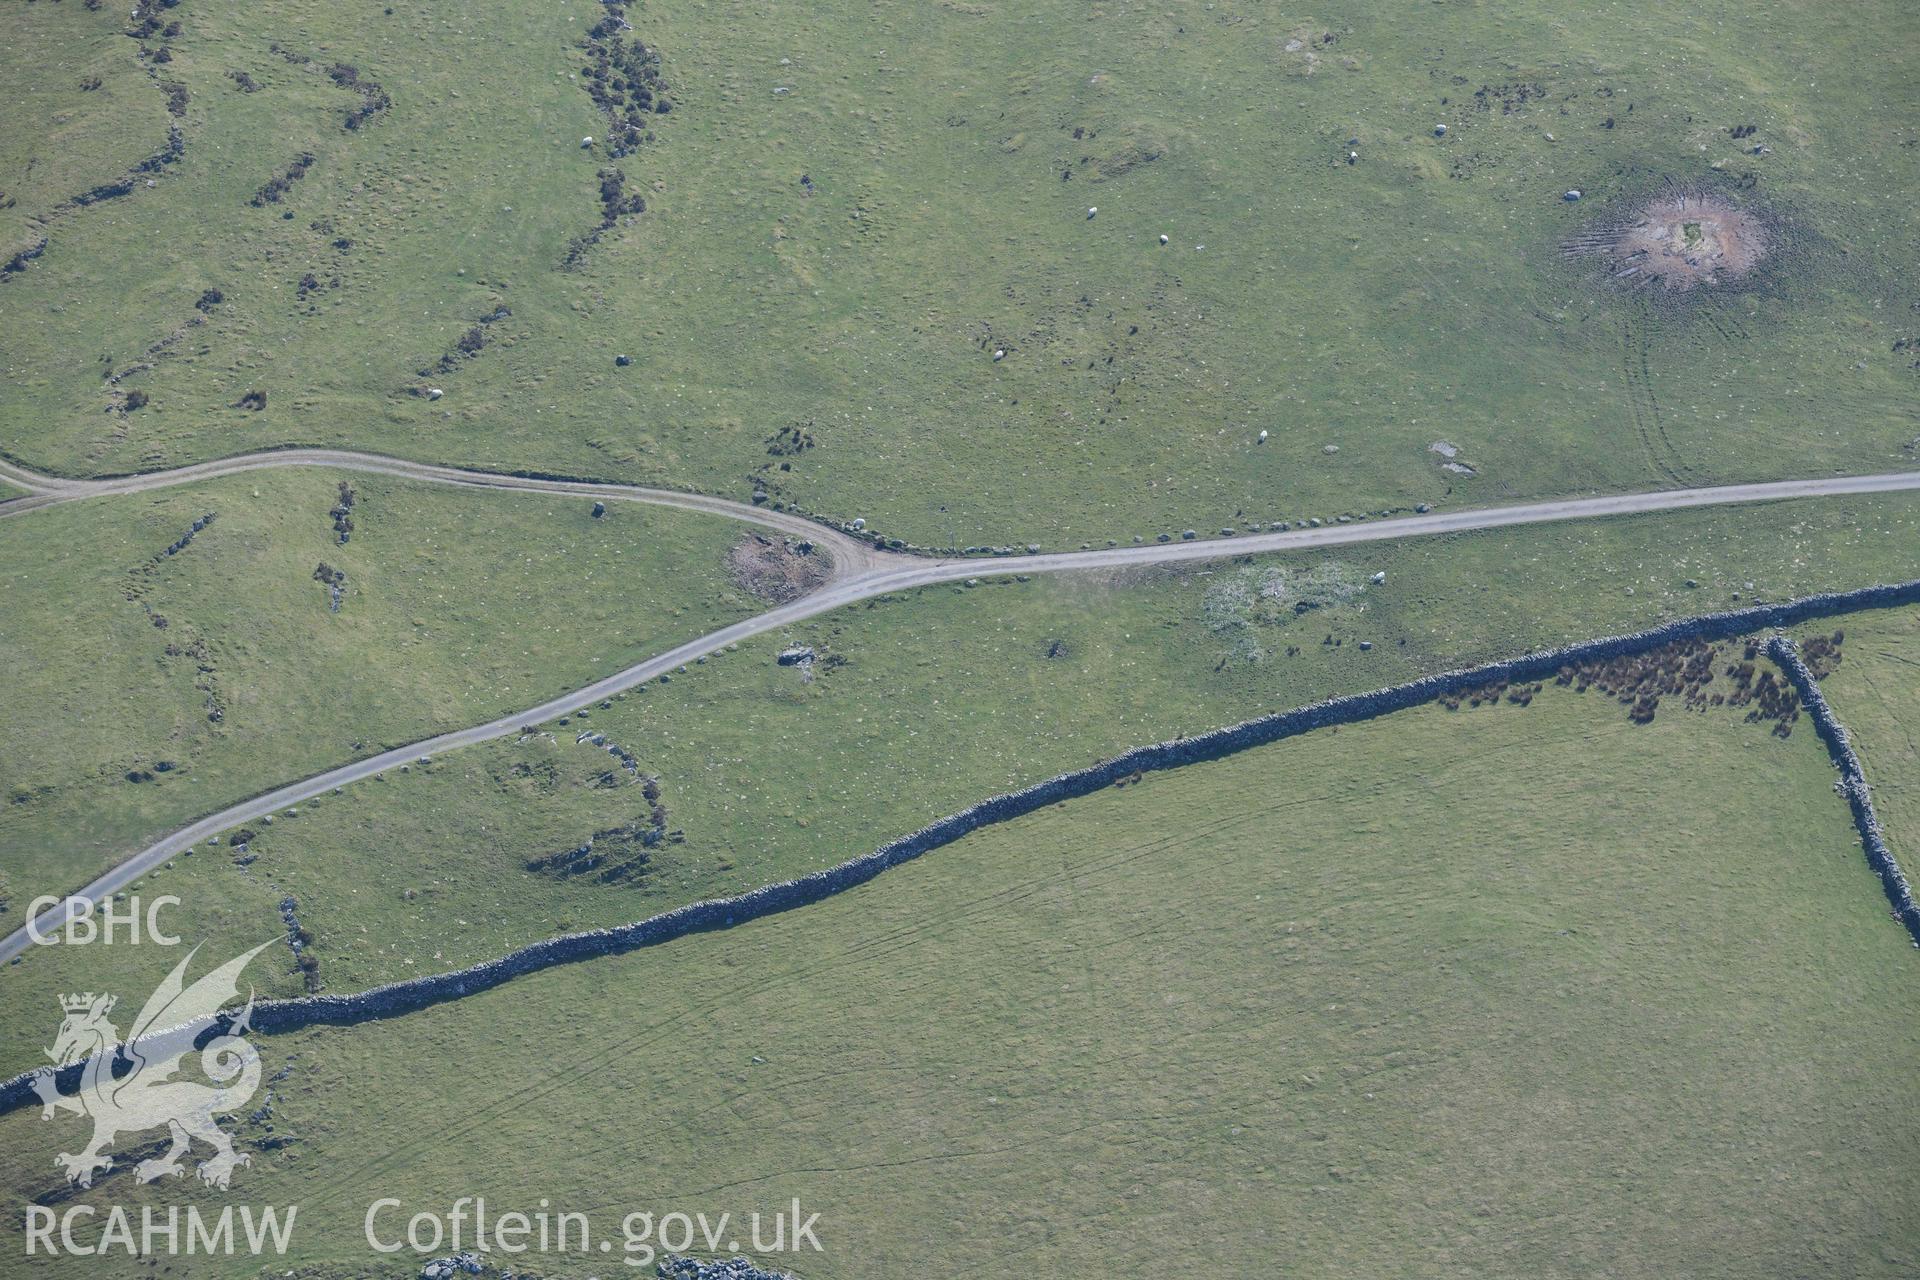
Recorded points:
(1876,693)
(1526,992)
(922,704)
(144,689)
(949,155)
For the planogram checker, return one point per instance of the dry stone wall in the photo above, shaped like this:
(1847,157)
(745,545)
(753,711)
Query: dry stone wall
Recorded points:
(413,994)
(1852,784)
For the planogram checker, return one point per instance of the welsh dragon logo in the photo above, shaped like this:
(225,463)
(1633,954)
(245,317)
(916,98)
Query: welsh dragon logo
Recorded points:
(147,1096)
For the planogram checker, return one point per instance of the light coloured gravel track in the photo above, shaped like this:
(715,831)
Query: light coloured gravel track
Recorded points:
(860,572)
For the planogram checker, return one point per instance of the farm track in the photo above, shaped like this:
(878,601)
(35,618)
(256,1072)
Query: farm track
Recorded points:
(411,995)
(861,572)
(44,491)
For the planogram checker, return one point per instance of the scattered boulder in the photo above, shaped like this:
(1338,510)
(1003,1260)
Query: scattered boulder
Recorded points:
(678,1267)
(180,543)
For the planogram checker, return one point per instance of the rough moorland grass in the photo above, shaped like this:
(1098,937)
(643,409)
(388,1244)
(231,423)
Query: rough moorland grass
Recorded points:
(1414,297)
(456,607)
(1876,693)
(1523,992)
(83,109)
(919,706)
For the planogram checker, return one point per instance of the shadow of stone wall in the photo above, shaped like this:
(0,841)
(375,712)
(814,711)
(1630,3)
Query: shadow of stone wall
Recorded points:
(414,994)
(1852,785)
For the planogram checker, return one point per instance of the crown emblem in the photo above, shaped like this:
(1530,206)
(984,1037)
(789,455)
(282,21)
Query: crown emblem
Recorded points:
(80,1003)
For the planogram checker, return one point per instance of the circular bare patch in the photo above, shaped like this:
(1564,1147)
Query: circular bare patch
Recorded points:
(1679,241)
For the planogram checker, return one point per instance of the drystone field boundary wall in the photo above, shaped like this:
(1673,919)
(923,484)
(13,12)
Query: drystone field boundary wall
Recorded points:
(699,917)
(1852,784)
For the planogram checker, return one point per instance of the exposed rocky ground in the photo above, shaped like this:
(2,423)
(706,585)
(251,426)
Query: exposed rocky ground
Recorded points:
(777,569)
(679,1268)
(1679,241)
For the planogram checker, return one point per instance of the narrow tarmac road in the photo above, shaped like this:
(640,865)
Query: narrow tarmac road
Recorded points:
(861,572)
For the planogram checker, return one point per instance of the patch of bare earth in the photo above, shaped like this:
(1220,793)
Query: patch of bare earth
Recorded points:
(777,569)
(1680,241)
